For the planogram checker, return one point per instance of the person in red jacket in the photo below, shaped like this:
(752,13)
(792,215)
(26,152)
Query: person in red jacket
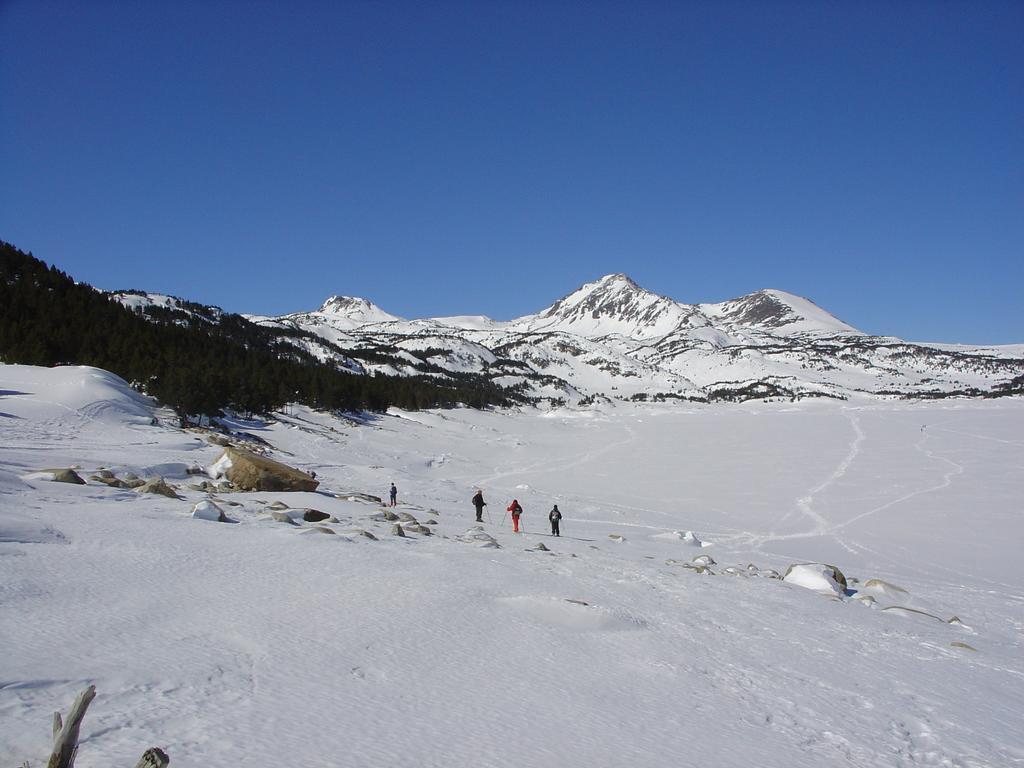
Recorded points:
(516,511)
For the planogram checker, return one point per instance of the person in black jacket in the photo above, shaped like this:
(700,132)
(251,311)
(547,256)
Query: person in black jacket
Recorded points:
(479,503)
(555,516)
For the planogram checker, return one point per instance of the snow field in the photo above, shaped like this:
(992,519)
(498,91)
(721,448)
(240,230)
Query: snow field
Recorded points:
(214,640)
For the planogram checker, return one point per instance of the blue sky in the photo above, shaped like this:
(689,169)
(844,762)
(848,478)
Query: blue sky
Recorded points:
(488,157)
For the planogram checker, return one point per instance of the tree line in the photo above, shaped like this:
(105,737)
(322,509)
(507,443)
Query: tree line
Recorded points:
(195,362)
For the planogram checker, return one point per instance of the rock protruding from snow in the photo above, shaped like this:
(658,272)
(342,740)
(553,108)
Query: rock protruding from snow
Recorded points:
(67,476)
(687,537)
(282,517)
(314,516)
(397,530)
(250,472)
(207,510)
(820,577)
(159,487)
(478,536)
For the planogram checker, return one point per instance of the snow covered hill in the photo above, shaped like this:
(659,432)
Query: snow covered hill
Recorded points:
(654,632)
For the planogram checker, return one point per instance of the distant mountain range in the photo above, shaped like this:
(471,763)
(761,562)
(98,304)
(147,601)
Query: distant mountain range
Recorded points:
(613,340)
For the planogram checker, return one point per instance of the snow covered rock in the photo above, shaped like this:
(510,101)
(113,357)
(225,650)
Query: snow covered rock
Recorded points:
(390,516)
(277,505)
(159,487)
(282,517)
(364,534)
(207,510)
(67,476)
(405,517)
(250,472)
(688,537)
(705,560)
(820,577)
(396,530)
(365,498)
(617,537)
(883,589)
(318,529)
(114,482)
(478,536)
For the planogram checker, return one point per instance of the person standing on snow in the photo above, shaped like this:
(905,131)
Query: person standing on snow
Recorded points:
(394,495)
(516,511)
(554,516)
(479,503)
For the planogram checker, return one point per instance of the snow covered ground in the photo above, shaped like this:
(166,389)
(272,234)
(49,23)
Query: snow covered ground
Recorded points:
(277,645)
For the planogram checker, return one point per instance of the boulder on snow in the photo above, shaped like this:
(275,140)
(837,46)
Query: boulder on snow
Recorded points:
(364,534)
(417,528)
(282,517)
(318,529)
(207,510)
(405,517)
(113,482)
(820,577)
(704,560)
(703,570)
(314,516)
(687,537)
(617,537)
(880,588)
(478,536)
(277,505)
(390,516)
(396,530)
(540,547)
(159,487)
(365,498)
(250,472)
(66,476)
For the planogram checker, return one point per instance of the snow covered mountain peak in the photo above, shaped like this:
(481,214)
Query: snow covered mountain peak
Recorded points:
(780,312)
(611,306)
(358,311)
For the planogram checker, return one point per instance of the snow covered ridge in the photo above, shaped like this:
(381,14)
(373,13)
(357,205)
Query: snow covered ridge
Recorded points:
(612,339)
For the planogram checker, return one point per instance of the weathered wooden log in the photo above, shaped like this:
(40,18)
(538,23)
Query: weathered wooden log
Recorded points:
(65,740)
(65,737)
